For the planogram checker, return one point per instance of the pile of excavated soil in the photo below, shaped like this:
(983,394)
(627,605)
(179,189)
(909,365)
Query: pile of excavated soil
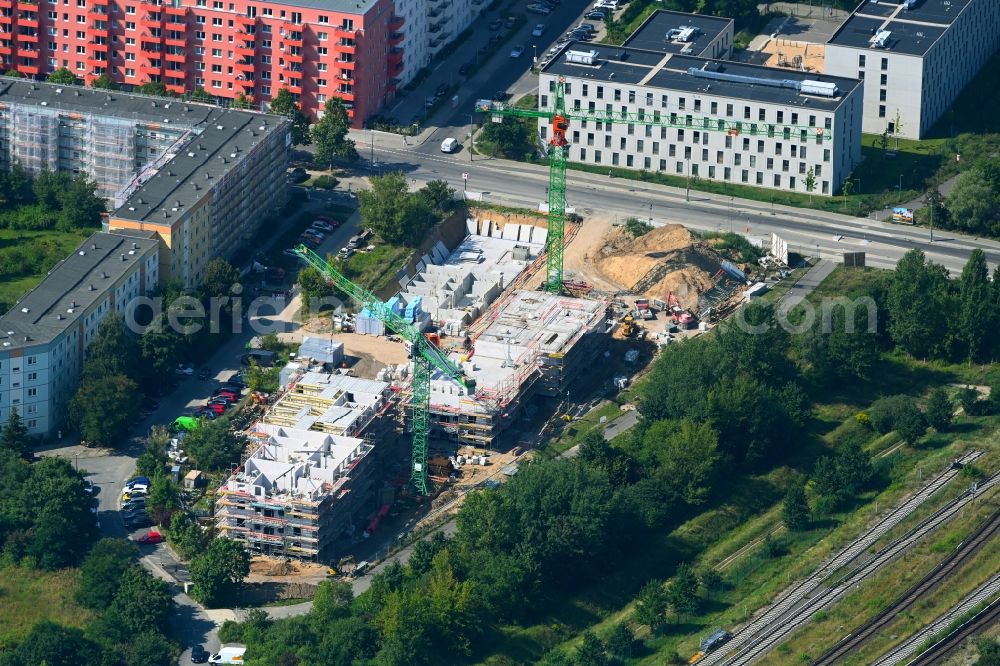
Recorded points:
(664,261)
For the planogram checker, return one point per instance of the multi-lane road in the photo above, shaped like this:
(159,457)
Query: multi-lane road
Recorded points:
(807,231)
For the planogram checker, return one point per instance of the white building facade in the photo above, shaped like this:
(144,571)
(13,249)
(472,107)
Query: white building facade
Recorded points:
(44,338)
(914,56)
(430,25)
(711,119)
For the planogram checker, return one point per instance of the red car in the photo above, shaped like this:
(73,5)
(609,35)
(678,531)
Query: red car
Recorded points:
(232,396)
(151,538)
(329,220)
(216,408)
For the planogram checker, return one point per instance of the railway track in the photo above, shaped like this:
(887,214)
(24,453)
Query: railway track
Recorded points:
(828,594)
(745,644)
(985,619)
(941,572)
(903,652)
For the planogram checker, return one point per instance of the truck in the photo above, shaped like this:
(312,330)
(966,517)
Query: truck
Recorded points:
(642,308)
(682,317)
(228,654)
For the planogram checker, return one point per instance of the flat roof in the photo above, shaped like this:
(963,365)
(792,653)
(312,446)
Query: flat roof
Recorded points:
(652,34)
(73,286)
(621,65)
(210,152)
(360,7)
(913,29)
(213,136)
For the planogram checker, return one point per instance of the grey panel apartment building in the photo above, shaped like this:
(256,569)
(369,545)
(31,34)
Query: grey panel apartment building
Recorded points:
(44,338)
(202,177)
(915,56)
(708,118)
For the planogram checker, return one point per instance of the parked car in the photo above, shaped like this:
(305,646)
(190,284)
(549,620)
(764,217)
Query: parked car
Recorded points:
(314,233)
(595,15)
(538,30)
(184,370)
(496,24)
(538,9)
(345,253)
(229,393)
(89,487)
(134,502)
(131,495)
(429,102)
(449,145)
(151,537)
(137,522)
(510,22)
(320,225)
(199,655)
(589,27)
(441,90)
(310,240)
(465,69)
(298,175)
(135,488)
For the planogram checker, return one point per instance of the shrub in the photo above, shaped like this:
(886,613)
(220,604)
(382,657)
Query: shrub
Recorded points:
(636,227)
(325,182)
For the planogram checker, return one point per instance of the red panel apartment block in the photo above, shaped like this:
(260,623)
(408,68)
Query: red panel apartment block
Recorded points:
(318,49)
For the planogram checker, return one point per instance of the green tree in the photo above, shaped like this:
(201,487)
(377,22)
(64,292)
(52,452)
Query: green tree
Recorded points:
(939,411)
(102,570)
(157,88)
(113,351)
(164,499)
(508,138)
(974,203)
(438,195)
(682,594)
(897,127)
(50,644)
(202,95)
(150,648)
(685,455)
(392,211)
(315,288)
(263,379)
(62,76)
(243,102)
(841,346)
(621,643)
(212,446)
(710,580)
(186,536)
(161,347)
(330,133)
(283,104)
(976,312)
(989,651)
(937,210)
(14,440)
(592,651)
(810,182)
(220,276)
(103,81)
(918,294)
(911,425)
(14,73)
(142,602)
(81,206)
(219,570)
(795,508)
(103,410)
(651,606)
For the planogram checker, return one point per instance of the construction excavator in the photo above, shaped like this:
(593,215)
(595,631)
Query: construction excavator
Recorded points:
(628,327)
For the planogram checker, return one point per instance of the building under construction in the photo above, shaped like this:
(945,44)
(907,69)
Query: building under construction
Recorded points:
(297,492)
(530,343)
(330,403)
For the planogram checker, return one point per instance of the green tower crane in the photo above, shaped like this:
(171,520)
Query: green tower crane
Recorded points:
(426,357)
(559,118)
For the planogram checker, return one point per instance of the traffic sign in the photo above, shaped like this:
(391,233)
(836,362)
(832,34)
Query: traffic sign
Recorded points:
(465,176)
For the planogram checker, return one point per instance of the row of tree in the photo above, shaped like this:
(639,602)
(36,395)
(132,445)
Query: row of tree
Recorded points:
(49,200)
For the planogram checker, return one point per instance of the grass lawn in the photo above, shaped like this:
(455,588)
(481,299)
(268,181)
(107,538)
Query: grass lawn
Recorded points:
(57,244)
(375,269)
(31,595)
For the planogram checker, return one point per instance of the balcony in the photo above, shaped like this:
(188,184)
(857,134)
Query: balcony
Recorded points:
(175,57)
(344,33)
(176,23)
(97,13)
(176,88)
(246,84)
(395,38)
(99,47)
(395,57)
(346,96)
(6,20)
(175,11)
(29,38)
(345,64)
(247,49)
(396,22)
(151,69)
(295,90)
(148,21)
(295,58)
(175,42)
(245,66)
(101,3)
(245,21)
(97,63)
(26,6)
(346,48)
(292,41)
(6,50)
(29,70)
(28,21)
(7,4)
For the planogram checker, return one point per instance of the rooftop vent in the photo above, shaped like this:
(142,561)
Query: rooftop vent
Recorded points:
(176,203)
(58,91)
(69,310)
(232,155)
(190,154)
(44,103)
(104,275)
(72,304)
(153,102)
(881,39)
(59,317)
(219,127)
(582,57)
(25,310)
(123,256)
(91,287)
(131,207)
(82,253)
(135,246)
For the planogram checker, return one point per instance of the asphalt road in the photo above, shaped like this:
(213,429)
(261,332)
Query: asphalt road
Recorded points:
(807,232)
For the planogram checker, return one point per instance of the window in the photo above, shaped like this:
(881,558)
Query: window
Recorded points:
(697,105)
(760,115)
(618,95)
(885,64)
(881,95)
(583,153)
(784,165)
(777,180)
(597,156)
(656,147)
(607,141)
(32,392)
(826,155)
(639,146)
(884,79)
(681,103)
(760,178)
(729,110)
(781,116)
(746,113)
(714,108)
(881,111)
(321,36)
(600,92)
(770,163)
(631,97)
(791,183)
(861,61)
(861,74)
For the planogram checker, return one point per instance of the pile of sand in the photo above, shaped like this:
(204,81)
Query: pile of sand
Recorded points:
(664,261)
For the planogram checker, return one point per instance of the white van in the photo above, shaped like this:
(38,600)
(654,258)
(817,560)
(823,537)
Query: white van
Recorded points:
(449,145)
(229,654)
